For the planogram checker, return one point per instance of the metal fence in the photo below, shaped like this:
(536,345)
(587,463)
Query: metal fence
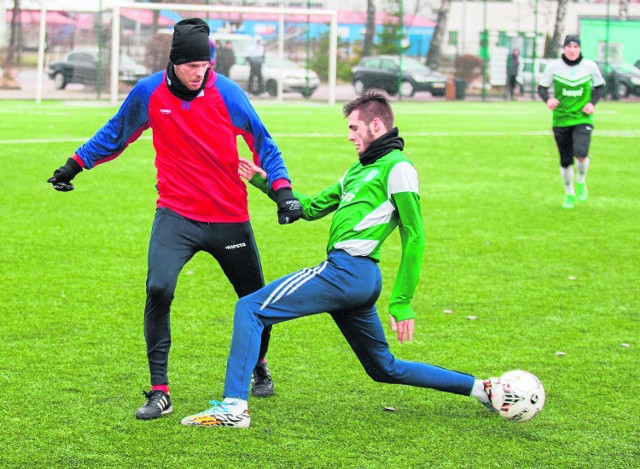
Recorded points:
(70,54)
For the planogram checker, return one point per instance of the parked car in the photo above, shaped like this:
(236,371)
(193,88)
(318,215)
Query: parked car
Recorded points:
(274,70)
(529,73)
(383,72)
(81,66)
(622,79)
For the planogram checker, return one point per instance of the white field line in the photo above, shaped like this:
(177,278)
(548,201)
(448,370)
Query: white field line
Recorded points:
(530,133)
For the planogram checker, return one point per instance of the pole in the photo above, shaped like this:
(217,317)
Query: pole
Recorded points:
(400,34)
(463,31)
(534,70)
(612,83)
(606,43)
(308,53)
(280,54)
(485,46)
(41,46)
(100,61)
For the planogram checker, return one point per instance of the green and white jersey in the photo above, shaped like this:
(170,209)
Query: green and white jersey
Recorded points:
(364,211)
(572,86)
(369,203)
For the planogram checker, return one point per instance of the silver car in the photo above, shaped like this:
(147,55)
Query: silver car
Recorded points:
(275,70)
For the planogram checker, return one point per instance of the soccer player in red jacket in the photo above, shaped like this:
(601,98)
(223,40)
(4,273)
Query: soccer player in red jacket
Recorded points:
(196,116)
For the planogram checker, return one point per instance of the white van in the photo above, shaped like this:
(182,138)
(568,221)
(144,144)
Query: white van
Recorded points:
(293,77)
(240,43)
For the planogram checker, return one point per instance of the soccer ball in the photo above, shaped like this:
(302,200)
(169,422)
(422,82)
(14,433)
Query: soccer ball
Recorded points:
(517,395)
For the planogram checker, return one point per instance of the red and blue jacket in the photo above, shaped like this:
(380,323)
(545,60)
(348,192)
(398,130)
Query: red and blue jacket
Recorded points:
(195,145)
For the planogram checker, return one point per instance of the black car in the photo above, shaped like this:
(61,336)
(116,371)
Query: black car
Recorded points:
(622,79)
(81,66)
(383,72)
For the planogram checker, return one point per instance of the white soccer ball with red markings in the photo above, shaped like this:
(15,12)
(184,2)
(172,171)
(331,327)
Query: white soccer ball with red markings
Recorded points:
(517,395)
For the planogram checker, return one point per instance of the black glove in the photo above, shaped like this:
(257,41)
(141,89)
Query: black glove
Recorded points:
(289,209)
(62,176)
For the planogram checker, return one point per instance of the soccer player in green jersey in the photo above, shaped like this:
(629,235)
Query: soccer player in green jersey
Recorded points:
(378,193)
(577,86)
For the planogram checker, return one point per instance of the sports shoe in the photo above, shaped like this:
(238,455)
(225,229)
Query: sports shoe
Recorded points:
(569,201)
(261,382)
(488,402)
(158,404)
(582,191)
(221,414)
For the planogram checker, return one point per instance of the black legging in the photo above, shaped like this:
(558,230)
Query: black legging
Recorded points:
(174,241)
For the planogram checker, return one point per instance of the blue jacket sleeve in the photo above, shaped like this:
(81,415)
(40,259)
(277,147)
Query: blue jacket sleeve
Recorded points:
(125,127)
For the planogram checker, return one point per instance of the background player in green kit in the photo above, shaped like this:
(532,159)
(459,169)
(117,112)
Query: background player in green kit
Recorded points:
(577,87)
(378,193)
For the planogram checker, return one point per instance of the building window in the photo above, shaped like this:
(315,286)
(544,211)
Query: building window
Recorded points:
(453,38)
(615,51)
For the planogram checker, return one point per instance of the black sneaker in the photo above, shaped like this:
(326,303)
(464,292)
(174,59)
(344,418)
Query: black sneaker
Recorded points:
(158,403)
(262,384)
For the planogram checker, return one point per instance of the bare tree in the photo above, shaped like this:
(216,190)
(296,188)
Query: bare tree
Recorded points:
(156,16)
(370,28)
(8,75)
(433,55)
(553,45)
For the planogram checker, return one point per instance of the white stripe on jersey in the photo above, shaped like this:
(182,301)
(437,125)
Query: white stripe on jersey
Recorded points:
(293,283)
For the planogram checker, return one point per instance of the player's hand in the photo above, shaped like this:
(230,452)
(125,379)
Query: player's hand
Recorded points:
(552,103)
(289,209)
(404,329)
(248,169)
(61,179)
(588,108)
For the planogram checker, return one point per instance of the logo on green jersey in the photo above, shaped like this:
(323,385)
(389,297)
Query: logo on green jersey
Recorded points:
(347,197)
(573,93)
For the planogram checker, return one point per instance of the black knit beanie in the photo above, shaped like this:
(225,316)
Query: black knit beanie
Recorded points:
(571,38)
(190,42)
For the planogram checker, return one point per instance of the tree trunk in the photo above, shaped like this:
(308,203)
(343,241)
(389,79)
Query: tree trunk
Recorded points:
(553,46)
(433,55)
(370,28)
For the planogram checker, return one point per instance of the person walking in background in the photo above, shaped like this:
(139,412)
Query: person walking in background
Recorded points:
(577,86)
(225,59)
(196,116)
(378,193)
(513,62)
(255,57)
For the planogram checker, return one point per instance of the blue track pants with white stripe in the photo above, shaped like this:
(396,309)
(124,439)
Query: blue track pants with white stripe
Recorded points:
(346,287)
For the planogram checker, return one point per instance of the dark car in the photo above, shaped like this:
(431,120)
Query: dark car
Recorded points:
(383,72)
(622,79)
(81,66)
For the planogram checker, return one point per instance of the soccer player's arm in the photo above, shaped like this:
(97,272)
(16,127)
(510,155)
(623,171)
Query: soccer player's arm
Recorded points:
(313,208)
(412,237)
(544,82)
(405,196)
(122,129)
(598,84)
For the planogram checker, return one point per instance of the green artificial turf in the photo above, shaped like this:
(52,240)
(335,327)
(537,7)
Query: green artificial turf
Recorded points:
(553,291)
